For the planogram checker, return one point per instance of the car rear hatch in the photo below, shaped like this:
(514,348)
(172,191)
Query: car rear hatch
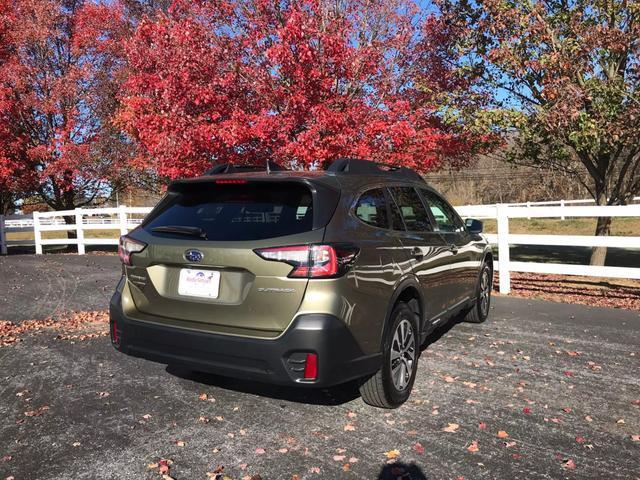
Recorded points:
(199,268)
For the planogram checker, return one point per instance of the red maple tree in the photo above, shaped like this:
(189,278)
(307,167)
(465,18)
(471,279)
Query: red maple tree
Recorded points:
(58,79)
(299,82)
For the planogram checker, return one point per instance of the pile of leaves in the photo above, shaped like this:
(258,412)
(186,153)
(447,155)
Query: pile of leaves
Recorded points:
(580,290)
(72,326)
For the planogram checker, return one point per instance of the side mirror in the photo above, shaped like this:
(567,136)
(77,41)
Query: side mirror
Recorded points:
(473,225)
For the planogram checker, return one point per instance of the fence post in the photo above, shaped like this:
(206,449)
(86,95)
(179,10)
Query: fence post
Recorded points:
(122,218)
(528,207)
(3,237)
(79,232)
(503,248)
(562,209)
(37,234)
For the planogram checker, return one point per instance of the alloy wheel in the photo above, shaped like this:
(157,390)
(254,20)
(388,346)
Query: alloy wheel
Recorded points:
(485,292)
(403,353)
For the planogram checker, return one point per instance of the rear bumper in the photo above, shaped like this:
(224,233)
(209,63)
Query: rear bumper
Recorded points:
(277,361)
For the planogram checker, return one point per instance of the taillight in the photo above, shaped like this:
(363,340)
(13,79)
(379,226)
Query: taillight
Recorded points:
(127,246)
(313,261)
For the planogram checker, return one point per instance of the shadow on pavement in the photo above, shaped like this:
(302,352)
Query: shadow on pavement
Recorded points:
(401,471)
(337,395)
(439,332)
(326,396)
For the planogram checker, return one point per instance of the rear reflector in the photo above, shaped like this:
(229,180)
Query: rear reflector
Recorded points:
(313,261)
(115,336)
(311,367)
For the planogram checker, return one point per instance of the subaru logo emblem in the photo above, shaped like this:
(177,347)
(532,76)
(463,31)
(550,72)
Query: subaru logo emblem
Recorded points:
(195,256)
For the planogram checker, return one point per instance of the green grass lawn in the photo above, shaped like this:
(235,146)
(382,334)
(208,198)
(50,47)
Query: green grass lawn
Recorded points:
(115,233)
(628,227)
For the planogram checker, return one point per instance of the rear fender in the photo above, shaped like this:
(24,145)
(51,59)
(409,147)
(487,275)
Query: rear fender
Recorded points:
(416,305)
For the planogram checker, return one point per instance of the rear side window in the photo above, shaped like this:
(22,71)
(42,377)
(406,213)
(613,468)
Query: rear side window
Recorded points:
(444,215)
(413,212)
(238,212)
(372,208)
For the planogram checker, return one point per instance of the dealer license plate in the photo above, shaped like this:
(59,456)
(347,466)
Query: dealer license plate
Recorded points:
(199,283)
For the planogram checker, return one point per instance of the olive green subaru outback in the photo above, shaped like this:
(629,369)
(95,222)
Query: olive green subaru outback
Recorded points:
(300,278)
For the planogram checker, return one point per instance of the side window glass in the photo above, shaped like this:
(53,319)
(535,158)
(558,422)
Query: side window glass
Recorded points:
(445,216)
(396,219)
(411,208)
(372,208)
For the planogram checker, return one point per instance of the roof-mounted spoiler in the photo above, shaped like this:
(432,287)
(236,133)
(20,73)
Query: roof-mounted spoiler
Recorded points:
(362,167)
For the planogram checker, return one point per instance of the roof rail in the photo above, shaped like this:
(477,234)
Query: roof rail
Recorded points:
(223,168)
(362,167)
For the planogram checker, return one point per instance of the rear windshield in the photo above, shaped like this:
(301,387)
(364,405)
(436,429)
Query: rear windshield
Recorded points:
(251,211)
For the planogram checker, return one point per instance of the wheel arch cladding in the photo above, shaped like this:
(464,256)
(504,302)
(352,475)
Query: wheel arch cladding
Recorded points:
(409,293)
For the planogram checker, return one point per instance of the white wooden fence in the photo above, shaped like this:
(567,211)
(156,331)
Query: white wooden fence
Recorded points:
(121,219)
(13,223)
(124,219)
(504,240)
(548,203)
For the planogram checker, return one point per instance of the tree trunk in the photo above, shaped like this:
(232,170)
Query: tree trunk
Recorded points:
(603,229)
(70,220)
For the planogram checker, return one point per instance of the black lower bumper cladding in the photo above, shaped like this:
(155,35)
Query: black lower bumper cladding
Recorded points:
(277,361)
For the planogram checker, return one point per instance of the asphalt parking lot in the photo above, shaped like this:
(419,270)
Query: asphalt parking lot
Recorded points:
(541,390)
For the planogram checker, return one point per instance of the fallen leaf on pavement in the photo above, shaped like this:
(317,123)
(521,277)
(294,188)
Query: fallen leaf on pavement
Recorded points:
(392,453)
(451,428)
(418,448)
(37,412)
(473,447)
(569,465)
(502,434)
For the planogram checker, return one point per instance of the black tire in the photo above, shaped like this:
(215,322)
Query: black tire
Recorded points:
(380,390)
(480,310)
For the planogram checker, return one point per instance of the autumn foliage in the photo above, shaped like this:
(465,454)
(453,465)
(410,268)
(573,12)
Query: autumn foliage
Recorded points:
(57,72)
(91,92)
(299,82)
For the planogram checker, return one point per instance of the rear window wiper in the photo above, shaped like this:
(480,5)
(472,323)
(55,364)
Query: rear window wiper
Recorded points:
(181,230)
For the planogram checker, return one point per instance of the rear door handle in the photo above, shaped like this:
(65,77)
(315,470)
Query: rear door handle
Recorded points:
(453,249)
(417,252)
